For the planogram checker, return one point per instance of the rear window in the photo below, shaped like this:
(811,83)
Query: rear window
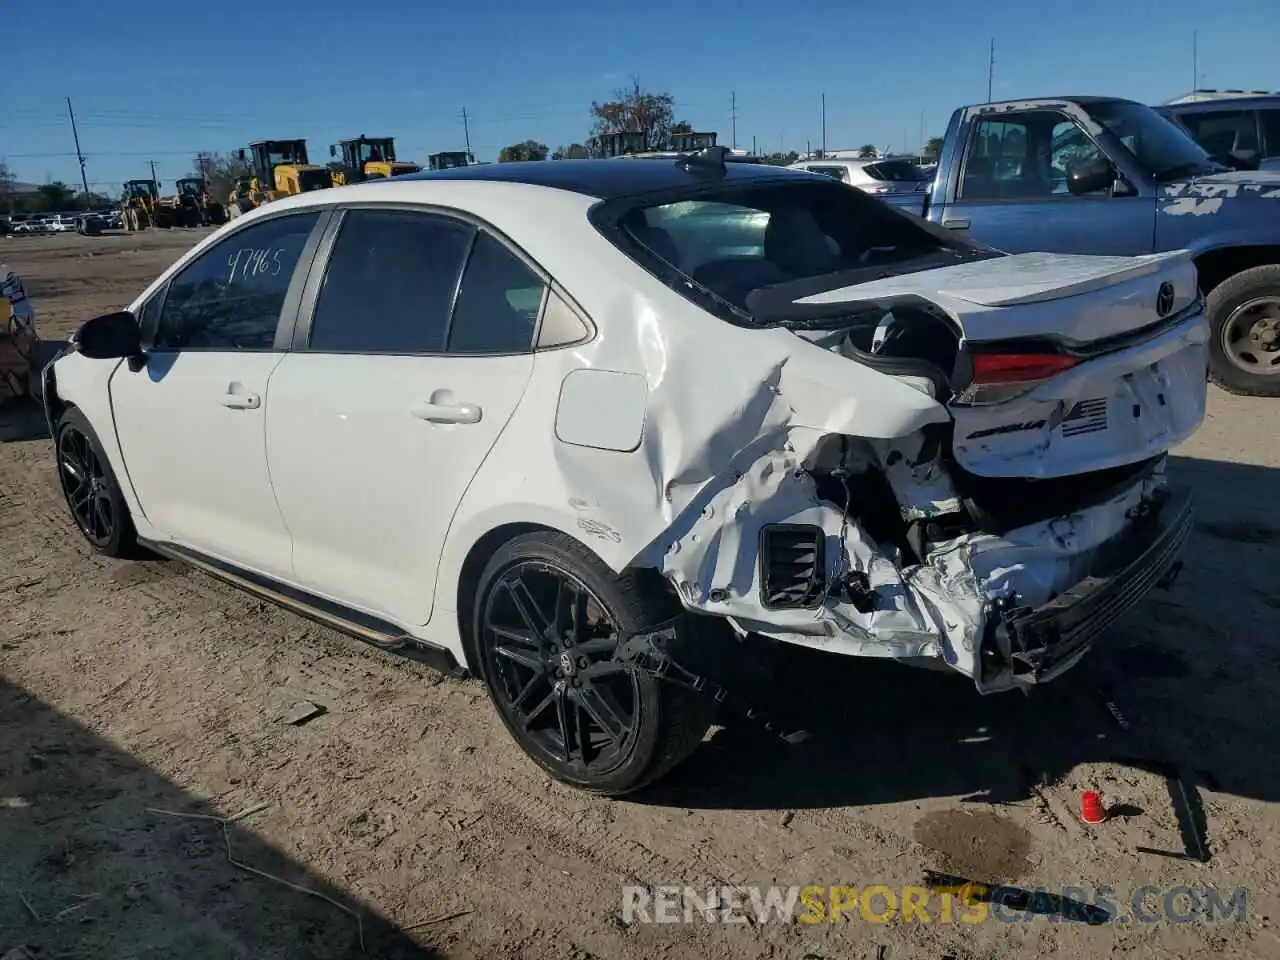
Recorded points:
(732,241)
(899,171)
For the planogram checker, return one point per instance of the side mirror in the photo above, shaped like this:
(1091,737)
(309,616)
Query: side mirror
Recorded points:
(1090,176)
(109,337)
(333,150)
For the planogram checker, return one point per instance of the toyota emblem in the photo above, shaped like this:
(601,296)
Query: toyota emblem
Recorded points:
(1164,299)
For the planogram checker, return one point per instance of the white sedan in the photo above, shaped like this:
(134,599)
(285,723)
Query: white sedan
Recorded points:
(582,429)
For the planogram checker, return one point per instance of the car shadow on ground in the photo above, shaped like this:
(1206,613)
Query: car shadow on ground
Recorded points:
(1193,672)
(90,869)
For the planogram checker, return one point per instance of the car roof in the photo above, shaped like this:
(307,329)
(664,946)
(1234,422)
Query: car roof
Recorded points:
(1221,104)
(599,178)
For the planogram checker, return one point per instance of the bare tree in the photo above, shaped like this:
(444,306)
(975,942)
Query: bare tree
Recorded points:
(220,171)
(7,181)
(635,110)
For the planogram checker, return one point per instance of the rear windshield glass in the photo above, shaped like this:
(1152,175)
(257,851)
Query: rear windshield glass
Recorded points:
(743,238)
(896,170)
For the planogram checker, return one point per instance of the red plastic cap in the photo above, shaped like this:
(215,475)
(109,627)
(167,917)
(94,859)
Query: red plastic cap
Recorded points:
(1091,809)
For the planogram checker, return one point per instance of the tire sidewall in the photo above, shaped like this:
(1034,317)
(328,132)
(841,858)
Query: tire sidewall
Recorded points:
(633,770)
(1222,301)
(122,534)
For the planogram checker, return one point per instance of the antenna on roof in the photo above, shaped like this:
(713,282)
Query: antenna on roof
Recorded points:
(707,160)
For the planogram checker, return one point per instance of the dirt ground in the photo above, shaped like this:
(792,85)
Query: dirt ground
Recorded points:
(403,822)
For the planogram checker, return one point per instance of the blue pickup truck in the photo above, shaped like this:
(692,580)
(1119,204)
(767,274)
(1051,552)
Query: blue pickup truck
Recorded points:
(1100,175)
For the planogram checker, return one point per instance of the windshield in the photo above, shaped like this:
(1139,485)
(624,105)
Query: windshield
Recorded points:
(1161,147)
(734,241)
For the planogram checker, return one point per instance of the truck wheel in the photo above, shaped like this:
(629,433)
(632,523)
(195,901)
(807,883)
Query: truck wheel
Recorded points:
(546,621)
(1244,341)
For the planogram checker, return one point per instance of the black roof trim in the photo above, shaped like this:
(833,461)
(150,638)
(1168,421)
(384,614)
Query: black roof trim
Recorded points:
(606,179)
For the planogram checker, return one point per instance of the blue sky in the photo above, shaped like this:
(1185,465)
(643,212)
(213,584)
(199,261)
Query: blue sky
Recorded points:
(213,77)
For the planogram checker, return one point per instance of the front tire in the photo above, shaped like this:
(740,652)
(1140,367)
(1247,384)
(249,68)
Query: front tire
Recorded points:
(91,489)
(1244,341)
(546,620)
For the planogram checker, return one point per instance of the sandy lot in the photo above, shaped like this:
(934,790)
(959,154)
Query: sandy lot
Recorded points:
(131,693)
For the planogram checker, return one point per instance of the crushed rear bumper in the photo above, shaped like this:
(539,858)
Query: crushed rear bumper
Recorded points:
(1037,644)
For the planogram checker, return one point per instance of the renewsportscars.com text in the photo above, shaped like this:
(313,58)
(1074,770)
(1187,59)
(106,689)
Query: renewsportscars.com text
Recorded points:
(966,904)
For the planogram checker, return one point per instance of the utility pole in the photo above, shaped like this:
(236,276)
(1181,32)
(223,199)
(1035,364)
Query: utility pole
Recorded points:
(153,174)
(823,102)
(753,144)
(1195,60)
(991,67)
(466,132)
(920,145)
(84,178)
(733,118)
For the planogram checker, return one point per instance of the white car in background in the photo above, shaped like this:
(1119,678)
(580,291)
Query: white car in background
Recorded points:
(891,179)
(579,428)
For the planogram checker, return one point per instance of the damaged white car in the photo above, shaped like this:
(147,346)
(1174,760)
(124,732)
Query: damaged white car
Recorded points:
(578,427)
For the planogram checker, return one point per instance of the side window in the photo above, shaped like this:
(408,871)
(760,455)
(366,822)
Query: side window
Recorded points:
(1270,122)
(1221,133)
(149,315)
(498,302)
(229,298)
(1024,156)
(390,283)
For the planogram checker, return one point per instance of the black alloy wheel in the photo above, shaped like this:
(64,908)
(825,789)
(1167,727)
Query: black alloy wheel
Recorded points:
(547,619)
(549,651)
(85,483)
(90,487)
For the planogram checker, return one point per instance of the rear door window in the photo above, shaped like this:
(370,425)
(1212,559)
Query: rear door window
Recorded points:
(390,283)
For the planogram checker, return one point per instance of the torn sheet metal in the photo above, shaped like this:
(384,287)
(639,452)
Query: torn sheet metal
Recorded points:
(733,418)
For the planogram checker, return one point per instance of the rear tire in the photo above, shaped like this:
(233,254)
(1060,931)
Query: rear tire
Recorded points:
(90,488)
(1244,338)
(546,619)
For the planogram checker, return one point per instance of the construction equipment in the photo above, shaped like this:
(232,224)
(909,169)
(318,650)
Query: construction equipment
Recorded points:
(19,344)
(193,205)
(280,168)
(368,158)
(450,159)
(140,206)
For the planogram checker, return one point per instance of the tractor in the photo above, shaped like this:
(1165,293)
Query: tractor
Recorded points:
(279,168)
(193,205)
(450,159)
(367,158)
(140,206)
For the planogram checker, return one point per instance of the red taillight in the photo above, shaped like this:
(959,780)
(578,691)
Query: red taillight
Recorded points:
(1002,376)
(1019,367)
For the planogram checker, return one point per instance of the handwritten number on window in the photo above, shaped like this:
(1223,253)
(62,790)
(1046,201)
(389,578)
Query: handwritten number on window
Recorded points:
(250,263)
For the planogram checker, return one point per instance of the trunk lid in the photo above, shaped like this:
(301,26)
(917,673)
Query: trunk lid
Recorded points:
(1074,298)
(1127,333)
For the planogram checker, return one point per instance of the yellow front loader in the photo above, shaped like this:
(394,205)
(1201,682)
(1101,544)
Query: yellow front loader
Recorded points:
(280,168)
(368,158)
